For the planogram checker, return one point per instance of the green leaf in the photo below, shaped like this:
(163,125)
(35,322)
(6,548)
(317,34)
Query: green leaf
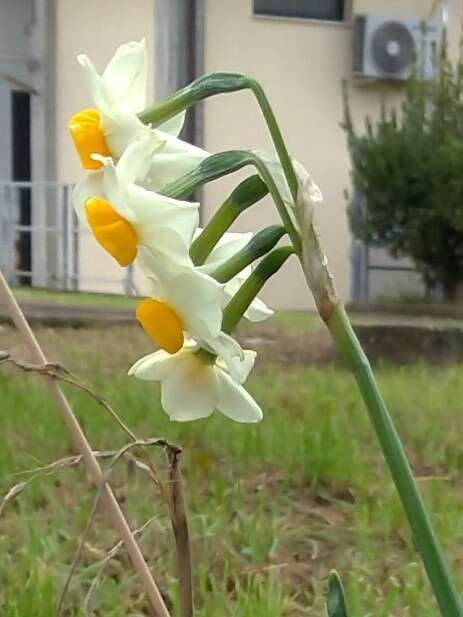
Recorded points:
(336,601)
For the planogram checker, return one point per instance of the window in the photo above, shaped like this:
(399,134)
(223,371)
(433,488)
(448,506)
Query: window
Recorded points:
(330,10)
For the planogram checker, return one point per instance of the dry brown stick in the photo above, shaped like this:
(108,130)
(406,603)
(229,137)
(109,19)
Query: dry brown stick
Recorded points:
(117,517)
(117,456)
(180,527)
(58,371)
(174,499)
(113,552)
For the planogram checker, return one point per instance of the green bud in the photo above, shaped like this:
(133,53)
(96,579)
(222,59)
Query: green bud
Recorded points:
(336,601)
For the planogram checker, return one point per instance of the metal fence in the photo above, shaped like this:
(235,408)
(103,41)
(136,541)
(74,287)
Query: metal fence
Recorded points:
(42,241)
(43,244)
(376,274)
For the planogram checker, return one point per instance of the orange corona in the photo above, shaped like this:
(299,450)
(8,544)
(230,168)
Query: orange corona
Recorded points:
(162,324)
(88,137)
(115,234)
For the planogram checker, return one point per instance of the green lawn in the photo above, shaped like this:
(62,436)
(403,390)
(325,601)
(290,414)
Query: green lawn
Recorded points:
(272,507)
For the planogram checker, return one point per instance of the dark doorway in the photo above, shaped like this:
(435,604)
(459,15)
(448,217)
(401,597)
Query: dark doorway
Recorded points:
(21,172)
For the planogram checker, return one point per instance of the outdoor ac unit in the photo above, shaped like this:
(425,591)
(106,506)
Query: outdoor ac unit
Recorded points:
(387,47)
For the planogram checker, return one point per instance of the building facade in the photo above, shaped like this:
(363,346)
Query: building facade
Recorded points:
(299,51)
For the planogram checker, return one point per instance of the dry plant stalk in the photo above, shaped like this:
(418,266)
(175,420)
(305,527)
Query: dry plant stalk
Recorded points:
(174,498)
(119,522)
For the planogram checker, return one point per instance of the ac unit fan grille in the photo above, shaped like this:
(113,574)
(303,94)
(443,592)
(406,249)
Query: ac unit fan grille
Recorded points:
(392,47)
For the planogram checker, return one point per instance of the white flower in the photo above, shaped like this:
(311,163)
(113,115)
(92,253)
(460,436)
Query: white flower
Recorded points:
(194,384)
(124,216)
(228,245)
(119,94)
(183,301)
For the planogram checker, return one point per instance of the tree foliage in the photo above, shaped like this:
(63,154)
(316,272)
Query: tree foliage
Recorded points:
(408,167)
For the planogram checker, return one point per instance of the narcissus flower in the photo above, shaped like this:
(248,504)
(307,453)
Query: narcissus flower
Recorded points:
(183,301)
(108,128)
(194,383)
(124,216)
(227,246)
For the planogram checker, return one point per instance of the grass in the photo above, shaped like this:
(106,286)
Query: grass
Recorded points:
(272,507)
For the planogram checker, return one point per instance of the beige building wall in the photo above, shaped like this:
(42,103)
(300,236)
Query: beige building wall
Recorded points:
(301,64)
(97,29)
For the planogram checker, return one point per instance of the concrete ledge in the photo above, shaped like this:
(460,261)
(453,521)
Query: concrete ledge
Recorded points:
(406,344)
(72,316)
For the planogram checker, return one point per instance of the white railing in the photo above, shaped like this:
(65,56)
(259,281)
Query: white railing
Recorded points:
(42,243)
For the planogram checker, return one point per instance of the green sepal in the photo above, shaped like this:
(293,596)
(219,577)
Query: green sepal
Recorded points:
(259,245)
(336,605)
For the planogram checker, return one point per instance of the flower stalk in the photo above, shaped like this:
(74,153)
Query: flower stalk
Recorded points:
(246,194)
(261,244)
(240,302)
(426,541)
(220,83)
(224,163)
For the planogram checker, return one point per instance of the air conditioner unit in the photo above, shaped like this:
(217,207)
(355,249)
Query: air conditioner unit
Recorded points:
(387,47)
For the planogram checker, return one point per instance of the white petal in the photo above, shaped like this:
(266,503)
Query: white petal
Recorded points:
(121,129)
(258,311)
(174,125)
(230,355)
(136,158)
(152,367)
(167,247)
(90,186)
(228,245)
(115,193)
(125,77)
(235,402)
(175,159)
(153,210)
(190,390)
(195,297)
(198,299)
(95,83)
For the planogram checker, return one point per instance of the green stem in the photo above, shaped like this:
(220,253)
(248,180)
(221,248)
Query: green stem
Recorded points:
(218,83)
(246,194)
(259,245)
(241,301)
(434,561)
(223,163)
